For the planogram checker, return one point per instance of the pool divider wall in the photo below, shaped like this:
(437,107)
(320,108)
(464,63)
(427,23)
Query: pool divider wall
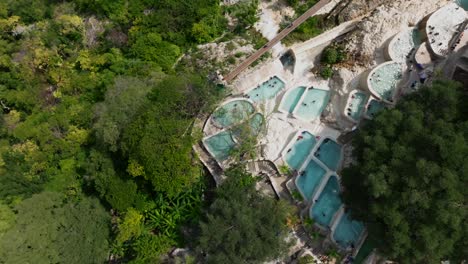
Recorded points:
(334,223)
(299,103)
(285,95)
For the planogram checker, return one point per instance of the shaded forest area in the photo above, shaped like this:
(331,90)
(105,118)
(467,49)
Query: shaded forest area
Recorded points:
(409,181)
(92,108)
(96,160)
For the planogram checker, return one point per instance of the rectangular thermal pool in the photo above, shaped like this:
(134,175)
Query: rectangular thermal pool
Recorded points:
(220,145)
(291,99)
(329,152)
(348,231)
(267,90)
(300,150)
(308,180)
(327,204)
(311,107)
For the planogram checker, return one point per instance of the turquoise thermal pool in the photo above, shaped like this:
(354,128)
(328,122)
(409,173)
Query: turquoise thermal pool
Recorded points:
(329,152)
(348,231)
(267,90)
(374,107)
(291,99)
(311,107)
(327,203)
(384,80)
(232,113)
(356,105)
(299,151)
(220,145)
(308,180)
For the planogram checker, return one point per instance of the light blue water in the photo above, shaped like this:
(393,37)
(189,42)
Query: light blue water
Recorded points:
(374,107)
(308,182)
(256,123)
(348,231)
(357,105)
(385,79)
(463,3)
(300,150)
(232,113)
(267,90)
(292,98)
(404,43)
(255,126)
(327,204)
(313,104)
(329,152)
(220,145)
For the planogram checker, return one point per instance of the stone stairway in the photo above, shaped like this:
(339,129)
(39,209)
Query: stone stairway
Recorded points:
(210,163)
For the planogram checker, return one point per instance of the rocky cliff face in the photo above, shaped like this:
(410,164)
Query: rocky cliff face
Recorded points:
(349,9)
(385,21)
(365,45)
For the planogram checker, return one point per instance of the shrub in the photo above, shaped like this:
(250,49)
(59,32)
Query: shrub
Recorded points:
(330,55)
(326,72)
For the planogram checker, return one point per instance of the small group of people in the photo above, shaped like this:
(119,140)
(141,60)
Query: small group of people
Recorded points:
(349,110)
(305,104)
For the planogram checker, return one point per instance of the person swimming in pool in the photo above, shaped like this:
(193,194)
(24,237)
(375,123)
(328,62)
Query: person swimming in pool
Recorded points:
(289,150)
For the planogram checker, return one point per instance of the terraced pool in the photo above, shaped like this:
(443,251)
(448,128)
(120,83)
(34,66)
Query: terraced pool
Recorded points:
(348,231)
(299,151)
(356,105)
(308,180)
(384,79)
(267,90)
(329,152)
(404,44)
(220,145)
(327,203)
(374,107)
(312,104)
(291,99)
(232,113)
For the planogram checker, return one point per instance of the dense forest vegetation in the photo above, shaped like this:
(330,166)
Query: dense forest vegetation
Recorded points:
(410,180)
(96,130)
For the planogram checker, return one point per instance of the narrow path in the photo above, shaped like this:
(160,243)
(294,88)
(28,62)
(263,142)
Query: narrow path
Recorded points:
(245,64)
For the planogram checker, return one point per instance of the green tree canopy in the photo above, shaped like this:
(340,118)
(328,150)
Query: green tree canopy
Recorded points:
(49,229)
(242,226)
(411,176)
(159,142)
